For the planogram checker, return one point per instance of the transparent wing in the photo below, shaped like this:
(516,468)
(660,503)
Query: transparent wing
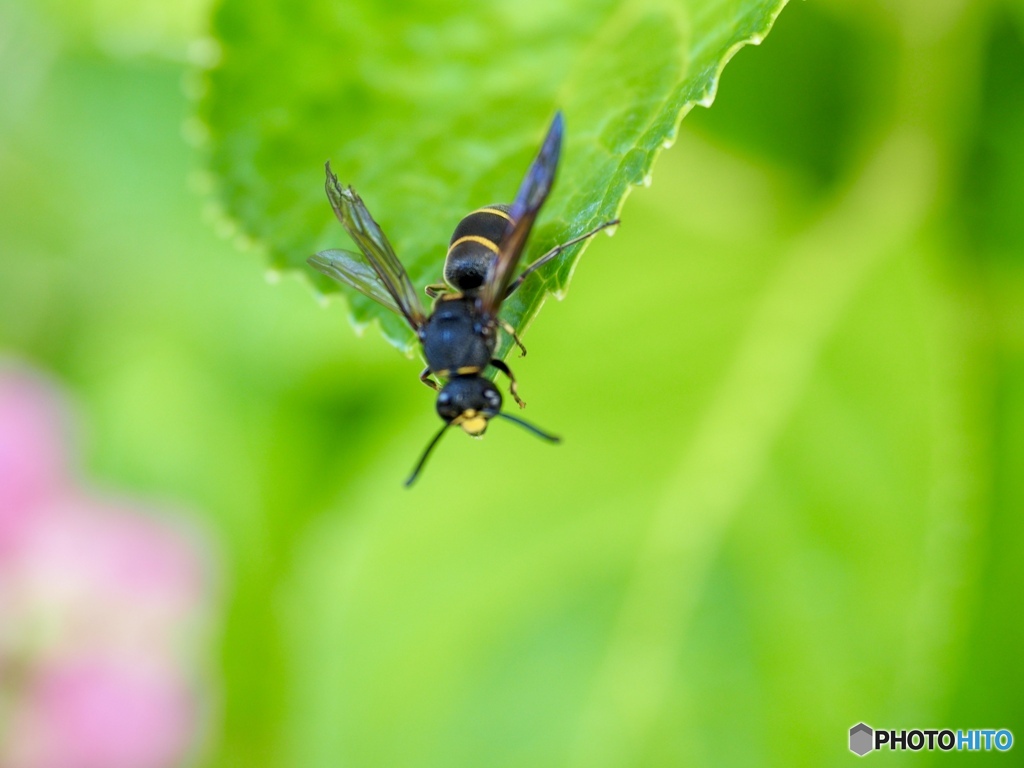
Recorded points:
(352,270)
(367,234)
(531,196)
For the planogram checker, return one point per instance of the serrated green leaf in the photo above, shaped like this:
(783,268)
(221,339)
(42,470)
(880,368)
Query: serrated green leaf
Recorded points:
(430,111)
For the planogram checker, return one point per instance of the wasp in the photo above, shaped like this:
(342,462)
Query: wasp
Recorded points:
(460,334)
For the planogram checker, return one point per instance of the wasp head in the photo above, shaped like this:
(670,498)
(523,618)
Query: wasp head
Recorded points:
(468,402)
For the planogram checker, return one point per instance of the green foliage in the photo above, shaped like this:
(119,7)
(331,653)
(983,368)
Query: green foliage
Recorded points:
(431,112)
(791,391)
(994,171)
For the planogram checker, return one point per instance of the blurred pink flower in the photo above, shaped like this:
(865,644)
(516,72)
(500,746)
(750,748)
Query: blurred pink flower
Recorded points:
(102,607)
(32,461)
(93,713)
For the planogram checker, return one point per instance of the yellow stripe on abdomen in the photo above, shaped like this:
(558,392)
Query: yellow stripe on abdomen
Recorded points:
(474,239)
(495,211)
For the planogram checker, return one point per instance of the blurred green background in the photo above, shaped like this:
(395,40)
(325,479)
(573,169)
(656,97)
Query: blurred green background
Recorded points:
(791,389)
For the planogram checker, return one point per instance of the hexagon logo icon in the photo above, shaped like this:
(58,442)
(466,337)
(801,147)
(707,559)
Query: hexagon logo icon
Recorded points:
(861,739)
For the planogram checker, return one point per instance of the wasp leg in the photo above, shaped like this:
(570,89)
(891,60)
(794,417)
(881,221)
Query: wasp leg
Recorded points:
(435,290)
(425,378)
(507,328)
(554,252)
(500,365)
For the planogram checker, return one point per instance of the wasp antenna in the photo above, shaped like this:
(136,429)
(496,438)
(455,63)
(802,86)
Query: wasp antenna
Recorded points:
(525,424)
(426,453)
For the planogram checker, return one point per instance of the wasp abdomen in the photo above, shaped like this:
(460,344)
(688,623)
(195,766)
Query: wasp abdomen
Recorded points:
(474,246)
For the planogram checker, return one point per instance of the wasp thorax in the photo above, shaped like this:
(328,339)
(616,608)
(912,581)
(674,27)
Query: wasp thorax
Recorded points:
(468,402)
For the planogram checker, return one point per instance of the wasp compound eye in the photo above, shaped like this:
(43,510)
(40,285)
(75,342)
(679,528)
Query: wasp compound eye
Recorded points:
(493,399)
(447,409)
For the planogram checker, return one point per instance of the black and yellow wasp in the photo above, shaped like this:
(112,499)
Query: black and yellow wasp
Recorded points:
(460,334)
